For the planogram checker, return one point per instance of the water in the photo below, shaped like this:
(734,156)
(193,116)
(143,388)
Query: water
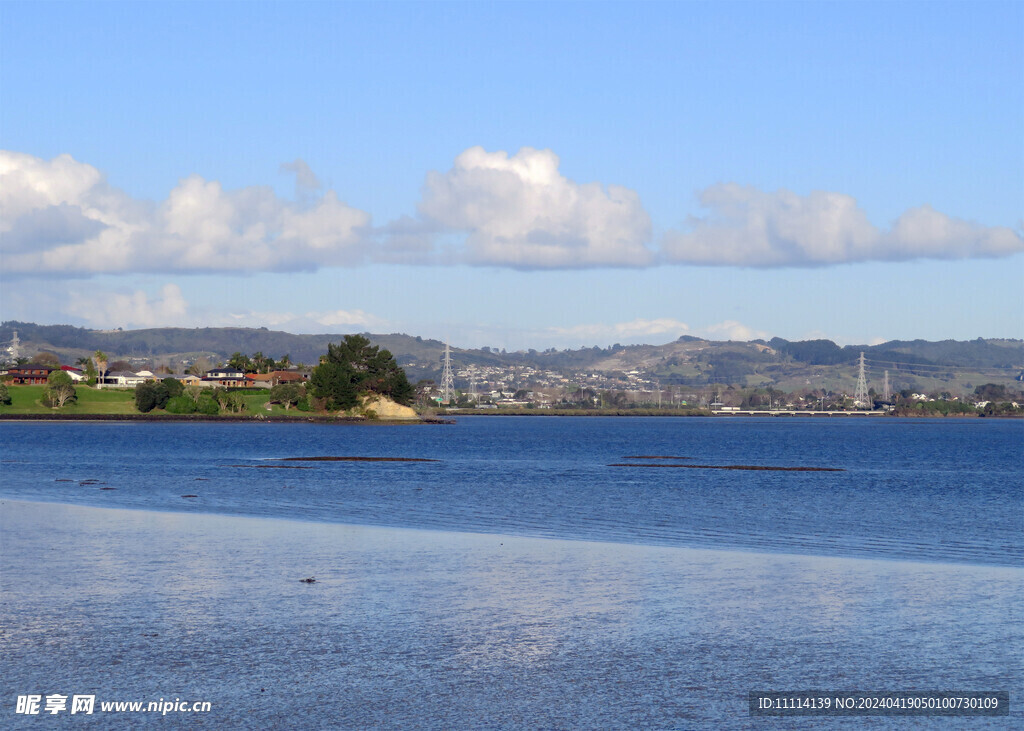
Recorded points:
(519,581)
(930,490)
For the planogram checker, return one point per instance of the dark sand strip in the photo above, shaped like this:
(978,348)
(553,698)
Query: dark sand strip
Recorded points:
(653,456)
(356,459)
(734,467)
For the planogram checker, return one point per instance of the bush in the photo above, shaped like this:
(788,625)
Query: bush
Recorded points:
(181,405)
(206,405)
(5,395)
(149,396)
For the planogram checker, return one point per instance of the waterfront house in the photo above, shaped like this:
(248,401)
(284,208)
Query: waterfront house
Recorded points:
(225,377)
(30,374)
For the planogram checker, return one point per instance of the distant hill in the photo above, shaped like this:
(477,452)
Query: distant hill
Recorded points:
(687,361)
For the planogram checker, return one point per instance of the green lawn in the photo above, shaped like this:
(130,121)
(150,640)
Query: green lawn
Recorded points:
(26,400)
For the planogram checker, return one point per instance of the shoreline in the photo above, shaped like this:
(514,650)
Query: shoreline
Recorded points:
(255,418)
(449,417)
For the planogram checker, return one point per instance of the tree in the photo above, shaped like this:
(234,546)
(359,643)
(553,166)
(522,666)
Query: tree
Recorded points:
(287,394)
(200,366)
(90,370)
(231,401)
(101,362)
(121,365)
(149,396)
(174,387)
(333,383)
(354,367)
(60,390)
(240,362)
(47,359)
(423,389)
(5,395)
(262,363)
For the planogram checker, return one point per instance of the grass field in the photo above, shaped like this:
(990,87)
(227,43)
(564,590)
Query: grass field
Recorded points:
(28,400)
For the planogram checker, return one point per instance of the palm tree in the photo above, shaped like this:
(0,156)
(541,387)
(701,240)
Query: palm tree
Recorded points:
(101,362)
(86,363)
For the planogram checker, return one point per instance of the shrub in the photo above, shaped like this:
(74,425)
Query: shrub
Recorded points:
(206,405)
(181,405)
(149,396)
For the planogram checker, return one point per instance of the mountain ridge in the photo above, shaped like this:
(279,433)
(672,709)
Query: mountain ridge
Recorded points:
(686,361)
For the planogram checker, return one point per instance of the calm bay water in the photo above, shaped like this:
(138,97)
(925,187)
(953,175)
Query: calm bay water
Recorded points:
(541,588)
(931,490)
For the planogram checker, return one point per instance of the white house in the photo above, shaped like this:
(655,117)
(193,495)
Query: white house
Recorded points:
(120,379)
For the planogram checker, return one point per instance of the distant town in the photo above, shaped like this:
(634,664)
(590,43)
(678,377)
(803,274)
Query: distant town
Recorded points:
(982,377)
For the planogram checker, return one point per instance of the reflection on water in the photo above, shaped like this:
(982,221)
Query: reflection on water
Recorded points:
(458,630)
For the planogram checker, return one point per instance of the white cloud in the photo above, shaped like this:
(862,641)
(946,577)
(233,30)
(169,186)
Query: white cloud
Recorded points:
(130,309)
(308,322)
(520,212)
(749,227)
(732,330)
(640,331)
(61,217)
(634,331)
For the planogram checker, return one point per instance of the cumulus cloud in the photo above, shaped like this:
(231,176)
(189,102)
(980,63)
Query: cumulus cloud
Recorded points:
(131,309)
(634,331)
(520,211)
(308,322)
(732,330)
(641,331)
(749,227)
(61,217)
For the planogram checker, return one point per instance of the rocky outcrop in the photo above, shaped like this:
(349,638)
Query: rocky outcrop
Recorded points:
(381,407)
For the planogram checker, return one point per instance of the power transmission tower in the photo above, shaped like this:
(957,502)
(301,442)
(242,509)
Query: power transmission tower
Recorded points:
(472,385)
(447,379)
(860,396)
(15,347)
(886,393)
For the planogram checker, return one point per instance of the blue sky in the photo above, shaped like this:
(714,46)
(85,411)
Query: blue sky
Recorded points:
(517,174)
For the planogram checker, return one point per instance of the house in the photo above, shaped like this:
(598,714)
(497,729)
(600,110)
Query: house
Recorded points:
(76,373)
(30,374)
(120,379)
(259,380)
(226,377)
(215,373)
(274,378)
